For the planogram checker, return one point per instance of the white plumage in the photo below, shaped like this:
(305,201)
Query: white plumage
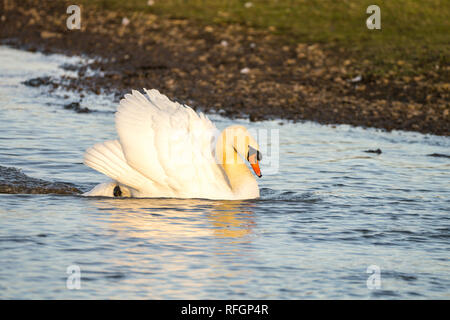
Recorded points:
(164,149)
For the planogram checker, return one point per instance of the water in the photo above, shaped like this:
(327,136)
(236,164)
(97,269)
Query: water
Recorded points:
(330,212)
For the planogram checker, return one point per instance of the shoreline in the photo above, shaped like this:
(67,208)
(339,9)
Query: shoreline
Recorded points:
(233,70)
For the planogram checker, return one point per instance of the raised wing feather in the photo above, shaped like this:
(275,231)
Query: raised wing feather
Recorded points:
(169,144)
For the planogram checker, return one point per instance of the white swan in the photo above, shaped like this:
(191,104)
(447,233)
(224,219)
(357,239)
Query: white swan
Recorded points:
(166,149)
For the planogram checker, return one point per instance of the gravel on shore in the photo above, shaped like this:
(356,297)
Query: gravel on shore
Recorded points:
(234,70)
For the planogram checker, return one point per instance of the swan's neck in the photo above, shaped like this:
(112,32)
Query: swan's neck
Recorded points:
(242,182)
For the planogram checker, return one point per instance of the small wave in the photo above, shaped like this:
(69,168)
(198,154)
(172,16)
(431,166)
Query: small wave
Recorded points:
(268,194)
(14,181)
(438,155)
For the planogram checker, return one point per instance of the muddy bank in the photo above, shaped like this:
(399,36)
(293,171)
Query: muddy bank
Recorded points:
(13,180)
(233,70)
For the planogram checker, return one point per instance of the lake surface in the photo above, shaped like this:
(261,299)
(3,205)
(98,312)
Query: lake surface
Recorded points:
(327,213)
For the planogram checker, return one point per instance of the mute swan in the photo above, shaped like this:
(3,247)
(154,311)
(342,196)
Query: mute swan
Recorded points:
(166,149)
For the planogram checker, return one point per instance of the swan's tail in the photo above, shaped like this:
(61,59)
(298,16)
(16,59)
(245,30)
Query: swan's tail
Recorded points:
(108,158)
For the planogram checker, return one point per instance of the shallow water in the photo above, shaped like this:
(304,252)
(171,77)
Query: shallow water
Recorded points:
(331,211)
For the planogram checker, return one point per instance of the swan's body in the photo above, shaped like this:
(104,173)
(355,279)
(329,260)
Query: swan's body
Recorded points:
(166,149)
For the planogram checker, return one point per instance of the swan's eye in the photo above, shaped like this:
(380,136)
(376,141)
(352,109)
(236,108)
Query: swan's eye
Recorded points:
(252,151)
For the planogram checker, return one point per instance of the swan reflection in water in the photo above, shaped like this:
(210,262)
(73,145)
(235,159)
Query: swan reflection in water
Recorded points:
(171,244)
(160,219)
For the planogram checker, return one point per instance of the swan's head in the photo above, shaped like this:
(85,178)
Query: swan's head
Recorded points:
(244,144)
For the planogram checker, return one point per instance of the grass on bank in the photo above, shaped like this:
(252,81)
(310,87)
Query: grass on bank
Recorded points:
(414,36)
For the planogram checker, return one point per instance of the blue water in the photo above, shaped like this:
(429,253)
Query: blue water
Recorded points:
(327,213)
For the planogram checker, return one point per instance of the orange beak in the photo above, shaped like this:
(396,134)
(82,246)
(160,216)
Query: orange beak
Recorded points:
(255,165)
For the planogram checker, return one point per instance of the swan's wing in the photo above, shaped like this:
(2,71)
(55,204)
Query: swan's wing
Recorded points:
(168,143)
(108,158)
